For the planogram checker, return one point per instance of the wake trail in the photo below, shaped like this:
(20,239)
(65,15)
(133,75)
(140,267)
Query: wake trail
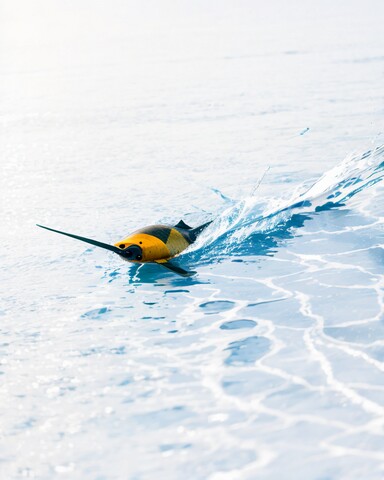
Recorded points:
(251,221)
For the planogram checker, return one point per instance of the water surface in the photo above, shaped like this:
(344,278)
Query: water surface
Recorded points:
(267,118)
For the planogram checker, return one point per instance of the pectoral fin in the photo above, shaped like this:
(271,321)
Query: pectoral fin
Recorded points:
(175,268)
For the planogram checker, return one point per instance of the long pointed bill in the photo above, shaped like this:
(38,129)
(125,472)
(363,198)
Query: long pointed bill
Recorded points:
(86,240)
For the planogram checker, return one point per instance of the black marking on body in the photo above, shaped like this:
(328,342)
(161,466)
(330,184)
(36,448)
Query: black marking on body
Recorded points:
(185,233)
(158,231)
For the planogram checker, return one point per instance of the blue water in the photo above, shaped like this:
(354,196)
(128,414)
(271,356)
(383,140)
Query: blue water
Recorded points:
(268,120)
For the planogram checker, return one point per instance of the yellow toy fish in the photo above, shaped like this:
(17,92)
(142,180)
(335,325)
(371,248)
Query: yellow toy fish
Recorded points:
(153,244)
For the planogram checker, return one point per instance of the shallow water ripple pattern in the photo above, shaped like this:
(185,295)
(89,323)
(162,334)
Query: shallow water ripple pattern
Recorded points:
(285,375)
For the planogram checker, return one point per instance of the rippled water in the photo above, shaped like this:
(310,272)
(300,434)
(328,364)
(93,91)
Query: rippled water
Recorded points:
(266,118)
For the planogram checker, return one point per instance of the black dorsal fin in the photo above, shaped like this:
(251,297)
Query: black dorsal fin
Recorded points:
(182,224)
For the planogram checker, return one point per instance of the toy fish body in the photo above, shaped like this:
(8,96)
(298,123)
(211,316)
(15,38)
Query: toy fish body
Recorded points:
(158,242)
(155,243)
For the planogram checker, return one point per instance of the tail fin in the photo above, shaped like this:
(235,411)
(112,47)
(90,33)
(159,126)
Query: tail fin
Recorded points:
(195,232)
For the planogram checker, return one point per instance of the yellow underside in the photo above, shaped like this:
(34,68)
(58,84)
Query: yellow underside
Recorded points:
(153,248)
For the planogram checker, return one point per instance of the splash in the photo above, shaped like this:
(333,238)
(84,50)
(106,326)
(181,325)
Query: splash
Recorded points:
(255,226)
